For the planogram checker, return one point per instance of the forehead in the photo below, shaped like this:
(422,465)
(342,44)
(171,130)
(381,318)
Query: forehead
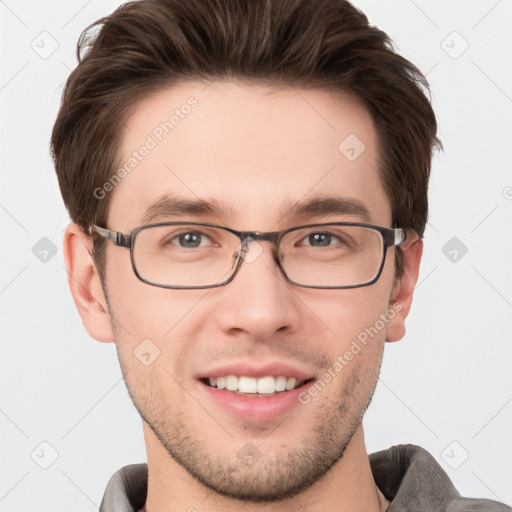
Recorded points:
(250,149)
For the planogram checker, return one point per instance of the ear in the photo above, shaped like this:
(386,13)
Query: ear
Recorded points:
(403,291)
(85,284)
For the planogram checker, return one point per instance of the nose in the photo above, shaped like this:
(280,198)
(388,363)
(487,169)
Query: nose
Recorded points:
(259,302)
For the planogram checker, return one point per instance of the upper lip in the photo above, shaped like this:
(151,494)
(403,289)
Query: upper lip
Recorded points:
(276,369)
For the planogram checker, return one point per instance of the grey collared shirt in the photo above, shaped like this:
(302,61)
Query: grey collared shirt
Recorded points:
(407,475)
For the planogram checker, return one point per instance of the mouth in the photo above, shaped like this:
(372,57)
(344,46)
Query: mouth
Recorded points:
(255,387)
(258,394)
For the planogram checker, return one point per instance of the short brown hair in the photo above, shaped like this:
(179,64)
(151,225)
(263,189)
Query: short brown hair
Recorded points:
(147,45)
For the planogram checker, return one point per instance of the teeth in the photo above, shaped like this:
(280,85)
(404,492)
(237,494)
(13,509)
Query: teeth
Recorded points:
(264,385)
(281,383)
(290,383)
(247,385)
(231,383)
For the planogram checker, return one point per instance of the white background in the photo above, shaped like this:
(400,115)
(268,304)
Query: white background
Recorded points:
(447,381)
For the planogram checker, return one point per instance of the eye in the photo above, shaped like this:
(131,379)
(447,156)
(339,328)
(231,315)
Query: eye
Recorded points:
(320,239)
(190,240)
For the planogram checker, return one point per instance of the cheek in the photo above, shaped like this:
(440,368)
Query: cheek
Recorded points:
(156,331)
(350,314)
(145,311)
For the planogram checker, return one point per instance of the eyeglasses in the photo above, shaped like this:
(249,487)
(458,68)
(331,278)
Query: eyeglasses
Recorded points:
(191,255)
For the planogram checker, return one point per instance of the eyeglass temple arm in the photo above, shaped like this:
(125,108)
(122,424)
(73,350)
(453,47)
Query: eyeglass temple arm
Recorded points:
(115,237)
(404,238)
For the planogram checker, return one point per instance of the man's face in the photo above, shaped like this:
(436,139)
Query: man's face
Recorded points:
(253,152)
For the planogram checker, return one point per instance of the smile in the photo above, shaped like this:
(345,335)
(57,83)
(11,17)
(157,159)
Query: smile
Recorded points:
(245,385)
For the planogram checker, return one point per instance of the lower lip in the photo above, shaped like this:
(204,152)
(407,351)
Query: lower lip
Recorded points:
(256,409)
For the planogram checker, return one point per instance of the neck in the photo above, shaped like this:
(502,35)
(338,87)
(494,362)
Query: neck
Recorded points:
(347,486)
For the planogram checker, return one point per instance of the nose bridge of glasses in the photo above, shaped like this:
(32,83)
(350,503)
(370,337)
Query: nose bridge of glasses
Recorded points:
(255,236)
(258,236)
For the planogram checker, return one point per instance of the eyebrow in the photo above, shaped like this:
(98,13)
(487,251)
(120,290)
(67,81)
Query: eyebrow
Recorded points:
(325,206)
(169,206)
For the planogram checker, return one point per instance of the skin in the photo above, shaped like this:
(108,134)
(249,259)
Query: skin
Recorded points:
(253,149)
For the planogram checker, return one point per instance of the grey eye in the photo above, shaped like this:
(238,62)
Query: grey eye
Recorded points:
(320,239)
(190,240)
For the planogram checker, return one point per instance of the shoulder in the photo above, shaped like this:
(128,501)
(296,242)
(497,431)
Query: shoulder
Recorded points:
(411,478)
(126,490)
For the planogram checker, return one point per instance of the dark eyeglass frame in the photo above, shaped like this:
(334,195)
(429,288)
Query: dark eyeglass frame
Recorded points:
(390,237)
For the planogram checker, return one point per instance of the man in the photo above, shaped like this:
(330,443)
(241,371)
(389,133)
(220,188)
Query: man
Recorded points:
(248,188)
